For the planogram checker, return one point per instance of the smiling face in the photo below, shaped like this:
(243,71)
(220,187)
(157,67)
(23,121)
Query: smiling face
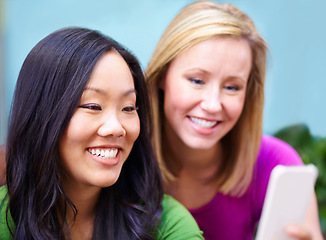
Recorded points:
(104,127)
(204,91)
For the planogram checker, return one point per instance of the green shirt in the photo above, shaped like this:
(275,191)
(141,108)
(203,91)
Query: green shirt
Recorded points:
(176,223)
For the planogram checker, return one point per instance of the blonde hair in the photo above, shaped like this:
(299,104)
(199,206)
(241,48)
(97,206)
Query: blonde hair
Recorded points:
(196,23)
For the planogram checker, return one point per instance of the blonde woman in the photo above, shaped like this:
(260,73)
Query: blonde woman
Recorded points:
(206,78)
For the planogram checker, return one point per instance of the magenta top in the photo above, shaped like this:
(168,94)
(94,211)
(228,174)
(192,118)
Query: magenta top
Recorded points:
(234,218)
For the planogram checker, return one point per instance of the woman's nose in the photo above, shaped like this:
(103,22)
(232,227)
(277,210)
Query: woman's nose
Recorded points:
(211,101)
(111,126)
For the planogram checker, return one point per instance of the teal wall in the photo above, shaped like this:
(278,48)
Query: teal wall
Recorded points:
(294,29)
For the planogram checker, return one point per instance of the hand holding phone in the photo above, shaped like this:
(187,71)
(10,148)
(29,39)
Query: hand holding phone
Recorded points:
(289,192)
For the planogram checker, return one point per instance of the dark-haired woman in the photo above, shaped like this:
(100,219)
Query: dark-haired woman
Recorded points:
(79,158)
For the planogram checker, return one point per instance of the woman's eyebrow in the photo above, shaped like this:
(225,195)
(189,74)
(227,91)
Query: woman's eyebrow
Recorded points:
(100,91)
(130,91)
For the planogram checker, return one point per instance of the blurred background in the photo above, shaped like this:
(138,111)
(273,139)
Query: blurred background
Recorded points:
(294,29)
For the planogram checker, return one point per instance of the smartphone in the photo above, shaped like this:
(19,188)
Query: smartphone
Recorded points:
(289,192)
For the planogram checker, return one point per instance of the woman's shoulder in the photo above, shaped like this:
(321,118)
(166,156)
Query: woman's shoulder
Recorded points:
(4,218)
(273,152)
(3,197)
(3,191)
(278,152)
(177,222)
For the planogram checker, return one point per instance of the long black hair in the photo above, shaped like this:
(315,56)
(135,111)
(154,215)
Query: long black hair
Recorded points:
(48,90)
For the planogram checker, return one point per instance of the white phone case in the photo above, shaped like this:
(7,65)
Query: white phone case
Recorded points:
(289,192)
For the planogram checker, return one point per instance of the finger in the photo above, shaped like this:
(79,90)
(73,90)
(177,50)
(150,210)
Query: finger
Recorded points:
(298,232)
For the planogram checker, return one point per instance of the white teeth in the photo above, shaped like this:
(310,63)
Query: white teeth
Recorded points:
(97,152)
(108,153)
(111,153)
(203,123)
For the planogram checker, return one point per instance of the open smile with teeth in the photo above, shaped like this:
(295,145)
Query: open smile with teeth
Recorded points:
(104,153)
(203,123)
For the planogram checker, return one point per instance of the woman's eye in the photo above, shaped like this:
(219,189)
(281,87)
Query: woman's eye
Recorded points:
(196,81)
(95,107)
(130,109)
(232,88)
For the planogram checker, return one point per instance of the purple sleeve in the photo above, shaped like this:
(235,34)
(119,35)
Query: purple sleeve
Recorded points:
(272,152)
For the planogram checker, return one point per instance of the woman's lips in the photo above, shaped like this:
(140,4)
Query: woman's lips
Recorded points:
(104,152)
(105,156)
(203,123)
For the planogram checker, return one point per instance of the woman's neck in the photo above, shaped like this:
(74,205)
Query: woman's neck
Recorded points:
(196,161)
(196,170)
(85,200)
